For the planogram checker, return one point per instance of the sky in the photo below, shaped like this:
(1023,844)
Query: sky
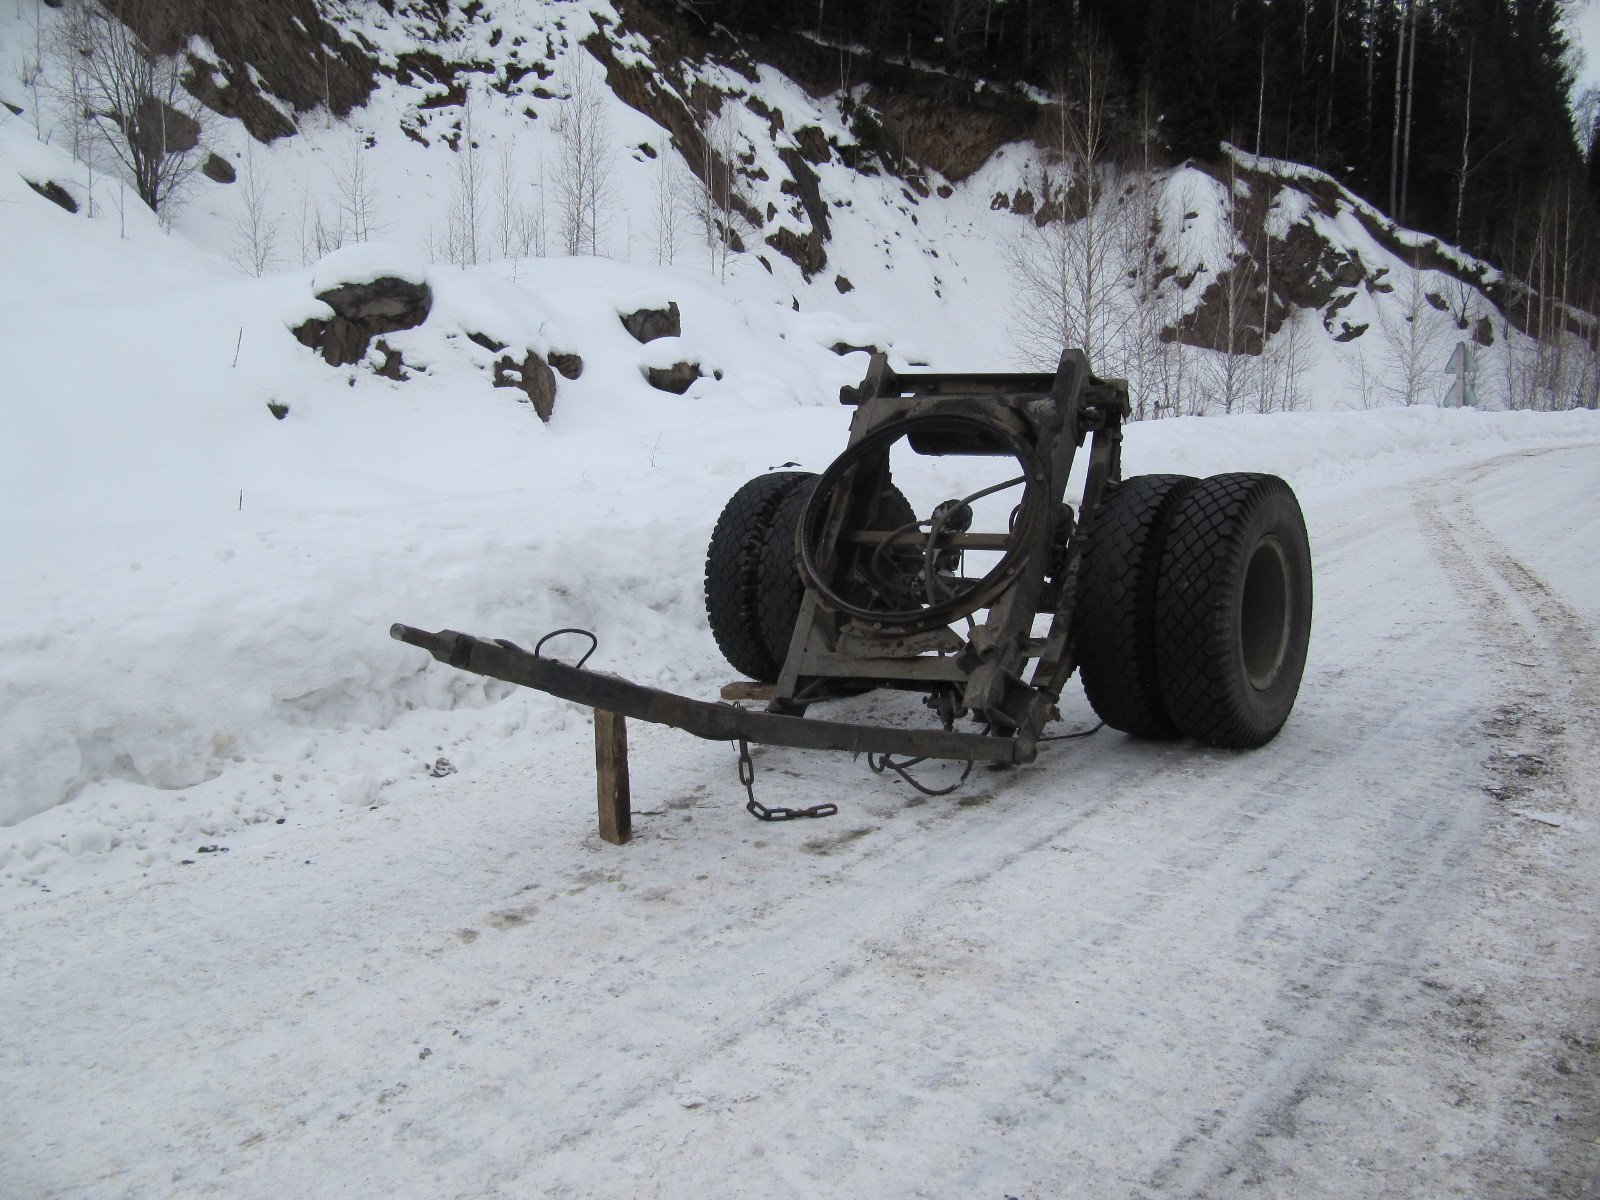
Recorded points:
(1583,24)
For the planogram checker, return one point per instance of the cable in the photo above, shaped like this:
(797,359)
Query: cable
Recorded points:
(594,643)
(886,762)
(1082,733)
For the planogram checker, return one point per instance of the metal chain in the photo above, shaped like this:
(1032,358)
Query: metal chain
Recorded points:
(758,810)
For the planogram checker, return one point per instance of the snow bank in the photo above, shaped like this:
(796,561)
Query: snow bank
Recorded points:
(365,262)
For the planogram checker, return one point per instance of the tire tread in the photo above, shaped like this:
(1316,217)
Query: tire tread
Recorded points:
(1114,637)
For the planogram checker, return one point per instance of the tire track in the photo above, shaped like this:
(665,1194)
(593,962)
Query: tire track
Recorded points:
(1547,765)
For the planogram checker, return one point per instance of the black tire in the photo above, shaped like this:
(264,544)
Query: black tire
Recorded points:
(739,573)
(1113,627)
(781,590)
(1233,609)
(753,588)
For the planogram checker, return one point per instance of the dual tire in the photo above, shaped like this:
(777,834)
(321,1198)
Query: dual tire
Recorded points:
(753,591)
(1193,610)
(1194,607)
(753,584)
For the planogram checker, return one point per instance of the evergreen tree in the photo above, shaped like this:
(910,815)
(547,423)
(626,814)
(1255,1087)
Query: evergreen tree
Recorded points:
(1452,114)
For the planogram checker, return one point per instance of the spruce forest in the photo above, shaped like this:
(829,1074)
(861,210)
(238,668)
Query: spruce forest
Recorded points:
(1453,116)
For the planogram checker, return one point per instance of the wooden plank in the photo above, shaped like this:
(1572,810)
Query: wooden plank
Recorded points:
(747,689)
(611,776)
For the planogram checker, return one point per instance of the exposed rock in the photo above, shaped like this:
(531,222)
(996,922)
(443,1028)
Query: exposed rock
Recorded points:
(277,409)
(809,252)
(310,333)
(159,129)
(648,324)
(1309,271)
(388,299)
(1483,332)
(490,344)
(843,284)
(453,96)
(804,250)
(847,348)
(569,365)
(675,379)
(218,168)
(15,111)
(393,366)
(281,47)
(362,311)
(813,145)
(533,376)
(772,116)
(659,92)
(54,192)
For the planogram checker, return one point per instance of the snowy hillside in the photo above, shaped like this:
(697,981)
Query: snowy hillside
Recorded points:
(462,153)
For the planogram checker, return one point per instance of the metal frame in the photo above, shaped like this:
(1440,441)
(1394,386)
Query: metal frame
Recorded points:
(841,647)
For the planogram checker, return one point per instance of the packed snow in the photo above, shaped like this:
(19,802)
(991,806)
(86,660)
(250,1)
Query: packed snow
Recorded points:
(290,909)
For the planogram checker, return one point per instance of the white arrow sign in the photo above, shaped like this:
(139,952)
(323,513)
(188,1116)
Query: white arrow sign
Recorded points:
(1463,365)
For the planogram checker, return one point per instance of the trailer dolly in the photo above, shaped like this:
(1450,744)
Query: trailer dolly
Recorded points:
(1184,604)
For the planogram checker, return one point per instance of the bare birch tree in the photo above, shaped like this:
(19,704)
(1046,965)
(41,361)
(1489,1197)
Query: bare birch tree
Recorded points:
(256,225)
(584,172)
(1226,372)
(667,209)
(355,199)
(1236,299)
(716,201)
(1069,266)
(1414,341)
(519,211)
(132,101)
(459,237)
(1156,363)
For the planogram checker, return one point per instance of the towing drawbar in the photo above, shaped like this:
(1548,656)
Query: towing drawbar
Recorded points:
(501,659)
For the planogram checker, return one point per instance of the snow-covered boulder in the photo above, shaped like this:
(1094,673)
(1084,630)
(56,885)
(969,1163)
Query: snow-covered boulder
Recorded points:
(648,324)
(369,289)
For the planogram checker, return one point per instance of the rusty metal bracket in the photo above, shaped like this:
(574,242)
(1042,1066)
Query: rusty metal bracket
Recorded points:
(714,722)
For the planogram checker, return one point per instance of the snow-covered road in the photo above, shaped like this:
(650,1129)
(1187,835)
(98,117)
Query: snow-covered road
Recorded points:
(1358,962)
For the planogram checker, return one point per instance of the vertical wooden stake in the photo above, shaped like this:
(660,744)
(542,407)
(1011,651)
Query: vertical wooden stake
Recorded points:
(611,776)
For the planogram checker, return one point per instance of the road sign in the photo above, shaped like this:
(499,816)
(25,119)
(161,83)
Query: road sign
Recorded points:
(1463,365)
